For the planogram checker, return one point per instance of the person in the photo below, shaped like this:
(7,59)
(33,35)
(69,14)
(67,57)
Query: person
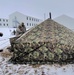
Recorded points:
(14,32)
(18,31)
(21,29)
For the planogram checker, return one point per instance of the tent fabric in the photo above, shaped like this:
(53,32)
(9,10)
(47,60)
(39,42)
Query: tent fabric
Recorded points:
(47,42)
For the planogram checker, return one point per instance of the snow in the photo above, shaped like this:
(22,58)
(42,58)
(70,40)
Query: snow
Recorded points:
(17,69)
(7,33)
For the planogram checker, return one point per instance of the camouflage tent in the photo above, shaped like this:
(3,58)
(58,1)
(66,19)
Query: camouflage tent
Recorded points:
(48,42)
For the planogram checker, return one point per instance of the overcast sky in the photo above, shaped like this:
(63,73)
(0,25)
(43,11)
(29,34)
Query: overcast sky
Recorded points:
(37,8)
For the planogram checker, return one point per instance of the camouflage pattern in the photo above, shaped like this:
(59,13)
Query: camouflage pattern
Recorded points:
(48,42)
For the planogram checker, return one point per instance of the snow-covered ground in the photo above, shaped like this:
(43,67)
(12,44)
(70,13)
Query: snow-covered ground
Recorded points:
(7,33)
(11,69)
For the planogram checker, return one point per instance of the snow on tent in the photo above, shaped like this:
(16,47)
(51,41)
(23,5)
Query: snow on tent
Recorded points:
(48,42)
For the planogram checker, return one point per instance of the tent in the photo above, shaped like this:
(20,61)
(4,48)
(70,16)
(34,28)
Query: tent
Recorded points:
(48,42)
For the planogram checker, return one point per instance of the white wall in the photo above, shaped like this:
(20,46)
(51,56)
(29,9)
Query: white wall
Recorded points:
(66,21)
(19,17)
(22,18)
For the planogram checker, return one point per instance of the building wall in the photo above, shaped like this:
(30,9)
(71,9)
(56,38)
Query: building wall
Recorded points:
(16,18)
(66,21)
(3,22)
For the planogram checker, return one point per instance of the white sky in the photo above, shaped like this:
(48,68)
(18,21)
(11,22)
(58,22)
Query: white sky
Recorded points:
(37,8)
